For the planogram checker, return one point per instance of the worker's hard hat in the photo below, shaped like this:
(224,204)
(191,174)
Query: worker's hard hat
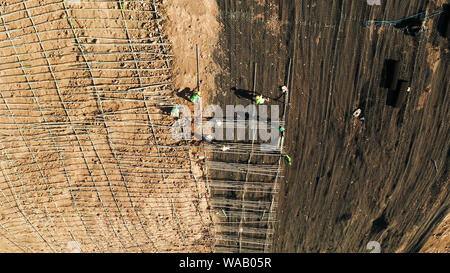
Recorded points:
(357,113)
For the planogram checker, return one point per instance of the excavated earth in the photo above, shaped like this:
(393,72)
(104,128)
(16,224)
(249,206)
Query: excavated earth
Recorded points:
(383,178)
(88,162)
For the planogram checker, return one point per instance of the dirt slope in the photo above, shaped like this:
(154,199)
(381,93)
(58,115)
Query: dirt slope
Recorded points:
(383,179)
(87,159)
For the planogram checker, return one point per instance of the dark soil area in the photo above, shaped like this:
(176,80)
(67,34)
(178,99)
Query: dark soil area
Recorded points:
(383,178)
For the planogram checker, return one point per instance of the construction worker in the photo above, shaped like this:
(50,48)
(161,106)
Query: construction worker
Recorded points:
(225,148)
(281,128)
(259,99)
(195,96)
(287,159)
(358,114)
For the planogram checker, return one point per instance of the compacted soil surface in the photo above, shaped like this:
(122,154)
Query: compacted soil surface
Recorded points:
(380,177)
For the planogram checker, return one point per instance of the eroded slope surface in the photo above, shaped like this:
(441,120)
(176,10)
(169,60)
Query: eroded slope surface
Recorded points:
(384,178)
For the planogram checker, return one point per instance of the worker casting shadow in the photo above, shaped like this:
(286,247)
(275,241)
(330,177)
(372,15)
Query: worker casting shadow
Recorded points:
(243,94)
(185,94)
(166,109)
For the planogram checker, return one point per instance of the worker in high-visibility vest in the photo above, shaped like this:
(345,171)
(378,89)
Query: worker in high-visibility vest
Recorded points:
(195,96)
(259,99)
(281,128)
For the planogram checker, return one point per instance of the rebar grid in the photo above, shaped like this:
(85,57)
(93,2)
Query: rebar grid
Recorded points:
(53,141)
(83,135)
(245,208)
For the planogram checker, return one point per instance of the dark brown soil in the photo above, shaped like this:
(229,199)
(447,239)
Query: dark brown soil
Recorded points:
(87,159)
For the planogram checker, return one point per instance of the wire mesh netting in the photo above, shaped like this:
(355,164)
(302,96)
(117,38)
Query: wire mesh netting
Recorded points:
(244,197)
(88,161)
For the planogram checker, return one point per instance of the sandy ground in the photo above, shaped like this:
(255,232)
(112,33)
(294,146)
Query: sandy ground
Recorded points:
(439,241)
(87,157)
(192,23)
